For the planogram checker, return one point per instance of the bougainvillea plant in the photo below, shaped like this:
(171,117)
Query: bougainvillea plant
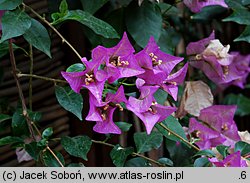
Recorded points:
(148,62)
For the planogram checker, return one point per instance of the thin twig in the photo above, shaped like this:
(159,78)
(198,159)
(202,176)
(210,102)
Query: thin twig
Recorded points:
(180,137)
(41,77)
(134,154)
(24,107)
(14,70)
(53,28)
(31,72)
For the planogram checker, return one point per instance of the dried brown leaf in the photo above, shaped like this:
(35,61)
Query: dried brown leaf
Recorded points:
(197,96)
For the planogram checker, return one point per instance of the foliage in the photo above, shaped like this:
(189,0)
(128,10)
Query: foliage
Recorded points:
(136,67)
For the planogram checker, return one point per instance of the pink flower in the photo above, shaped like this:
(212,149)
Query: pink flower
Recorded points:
(210,56)
(216,127)
(232,160)
(196,5)
(119,61)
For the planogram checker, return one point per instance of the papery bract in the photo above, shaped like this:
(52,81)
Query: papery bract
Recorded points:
(146,107)
(119,60)
(102,113)
(91,78)
(232,160)
(196,5)
(217,119)
(210,56)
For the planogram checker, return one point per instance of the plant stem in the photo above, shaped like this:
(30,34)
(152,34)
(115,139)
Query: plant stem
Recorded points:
(24,107)
(180,137)
(41,77)
(31,72)
(53,28)
(134,154)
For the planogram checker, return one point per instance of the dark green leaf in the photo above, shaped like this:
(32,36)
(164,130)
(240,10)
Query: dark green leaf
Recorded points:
(50,160)
(245,35)
(4,117)
(10,140)
(137,162)
(239,16)
(76,68)
(242,102)
(206,152)
(208,13)
(222,150)
(14,23)
(143,22)
(179,153)
(76,165)
(93,6)
(70,100)
(19,124)
(174,125)
(77,146)
(42,143)
(243,147)
(4,48)
(166,161)
(169,39)
(120,154)
(9,4)
(37,35)
(33,150)
(145,143)
(160,96)
(168,9)
(202,162)
(123,126)
(47,133)
(98,26)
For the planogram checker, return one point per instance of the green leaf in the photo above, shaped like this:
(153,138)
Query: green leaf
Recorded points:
(33,150)
(245,35)
(93,6)
(160,96)
(76,165)
(9,4)
(19,124)
(174,125)
(169,39)
(70,100)
(206,152)
(166,161)
(98,26)
(179,153)
(242,102)
(4,117)
(137,162)
(208,13)
(202,162)
(14,23)
(123,126)
(63,8)
(120,154)
(145,143)
(168,9)
(143,22)
(37,35)
(10,140)
(77,146)
(4,48)
(222,150)
(243,147)
(50,160)
(239,16)
(47,133)
(76,68)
